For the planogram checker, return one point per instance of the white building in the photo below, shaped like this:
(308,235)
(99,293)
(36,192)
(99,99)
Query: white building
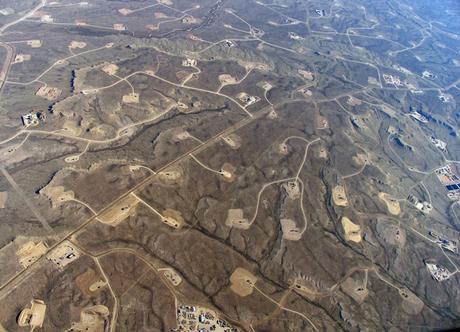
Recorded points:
(438,272)
(30,119)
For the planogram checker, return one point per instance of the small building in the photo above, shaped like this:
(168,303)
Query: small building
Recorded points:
(47,19)
(320,12)
(33,316)
(444,98)
(247,99)
(427,74)
(189,62)
(441,145)
(390,79)
(425,208)
(229,43)
(293,35)
(444,242)
(32,119)
(257,32)
(188,19)
(419,117)
(438,272)
(119,27)
(63,255)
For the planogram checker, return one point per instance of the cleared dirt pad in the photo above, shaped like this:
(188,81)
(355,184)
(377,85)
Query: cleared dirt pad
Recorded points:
(159,15)
(77,44)
(151,27)
(322,153)
(227,79)
(353,101)
(235,219)
(72,127)
(391,233)
(21,58)
(173,218)
(360,159)
(35,43)
(321,122)
(90,282)
(292,189)
(272,115)
(132,98)
(171,176)
(372,80)
(172,276)
(290,230)
(110,68)
(125,11)
(119,27)
(57,195)
(233,140)
(119,212)
(392,204)
(63,254)
(339,197)
(283,149)
(242,282)
(307,291)
(411,304)
(48,92)
(355,289)
(352,231)
(92,319)
(308,75)
(228,172)
(30,252)
(225,166)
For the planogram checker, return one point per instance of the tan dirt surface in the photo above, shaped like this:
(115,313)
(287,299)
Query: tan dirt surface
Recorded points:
(339,197)
(235,219)
(352,231)
(392,205)
(30,252)
(290,230)
(242,282)
(119,212)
